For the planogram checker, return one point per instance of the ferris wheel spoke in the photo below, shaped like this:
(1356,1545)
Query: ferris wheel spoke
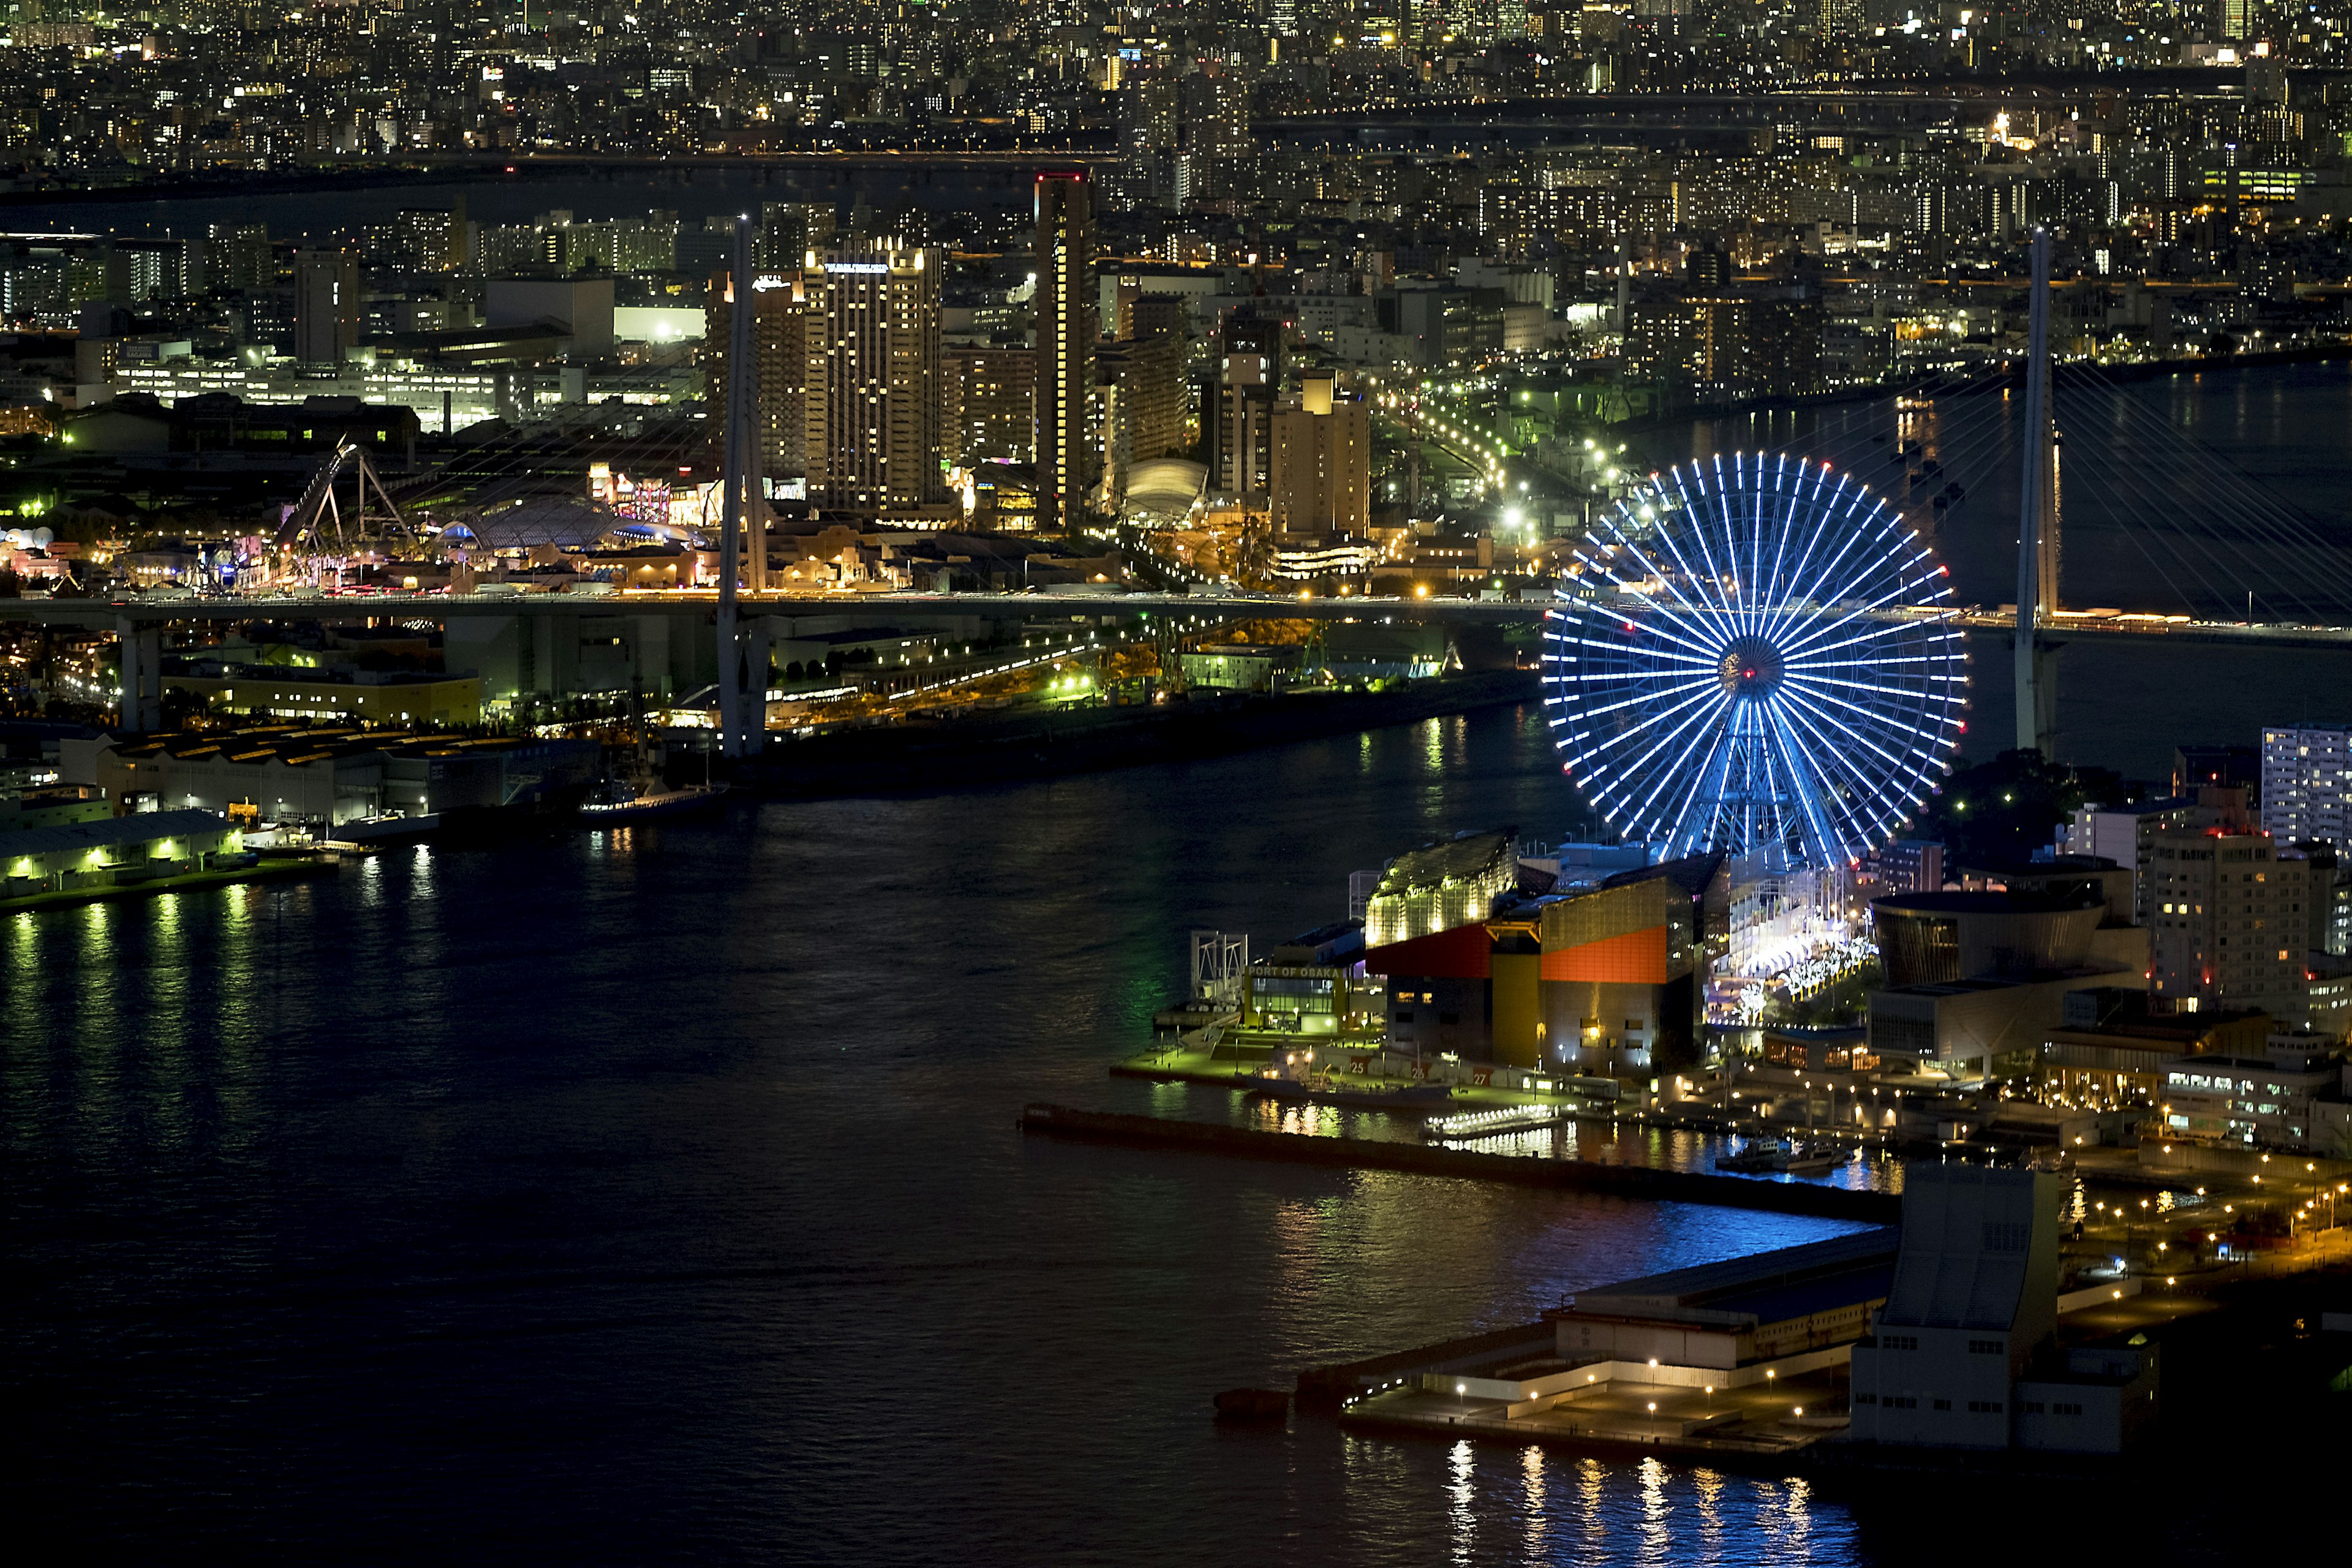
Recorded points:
(1717,608)
(1677,825)
(1836,574)
(1865,787)
(1692,722)
(1695,641)
(1814,675)
(1695,659)
(1914,786)
(1703,613)
(1894,761)
(1860,612)
(1788,605)
(1601,753)
(1803,785)
(1880,630)
(1862,711)
(1705,547)
(1650,570)
(1773,594)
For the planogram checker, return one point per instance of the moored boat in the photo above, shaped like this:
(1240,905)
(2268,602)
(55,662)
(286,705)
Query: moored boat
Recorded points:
(619,806)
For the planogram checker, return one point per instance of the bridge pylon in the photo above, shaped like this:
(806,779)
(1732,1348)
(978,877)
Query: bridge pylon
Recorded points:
(2036,658)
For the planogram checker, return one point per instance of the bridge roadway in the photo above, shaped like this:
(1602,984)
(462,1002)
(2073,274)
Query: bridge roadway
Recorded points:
(144,612)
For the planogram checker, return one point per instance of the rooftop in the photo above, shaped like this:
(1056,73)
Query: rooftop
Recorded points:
(2016,901)
(143,828)
(1771,1287)
(1454,860)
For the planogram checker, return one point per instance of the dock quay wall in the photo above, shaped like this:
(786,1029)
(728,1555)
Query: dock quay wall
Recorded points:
(1362,1153)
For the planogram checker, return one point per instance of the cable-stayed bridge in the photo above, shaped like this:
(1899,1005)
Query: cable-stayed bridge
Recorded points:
(2112,478)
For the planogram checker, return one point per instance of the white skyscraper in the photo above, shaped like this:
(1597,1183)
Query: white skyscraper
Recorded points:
(2307,782)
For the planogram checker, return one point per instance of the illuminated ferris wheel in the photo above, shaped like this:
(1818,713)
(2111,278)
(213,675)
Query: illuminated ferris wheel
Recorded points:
(1755,650)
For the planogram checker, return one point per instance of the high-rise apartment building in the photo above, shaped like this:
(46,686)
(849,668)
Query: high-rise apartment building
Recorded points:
(1321,479)
(2307,783)
(1066,446)
(987,403)
(1238,406)
(2228,925)
(326,306)
(1141,400)
(789,230)
(432,239)
(237,256)
(873,430)
(779,368)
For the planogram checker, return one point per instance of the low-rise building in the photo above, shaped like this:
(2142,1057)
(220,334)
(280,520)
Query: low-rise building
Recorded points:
(330,692)
(2112,1045)
(114,850)
(1976,977)
(53,807)
(319,779)
(2267,1101)
(1313,986)
(1719,1318)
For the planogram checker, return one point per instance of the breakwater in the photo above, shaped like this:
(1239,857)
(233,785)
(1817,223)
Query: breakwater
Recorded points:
(1362,1153)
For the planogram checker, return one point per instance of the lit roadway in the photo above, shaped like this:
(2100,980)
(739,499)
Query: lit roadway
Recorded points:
(106,614)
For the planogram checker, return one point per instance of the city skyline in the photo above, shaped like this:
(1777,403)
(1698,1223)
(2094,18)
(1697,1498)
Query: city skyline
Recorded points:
(925,780)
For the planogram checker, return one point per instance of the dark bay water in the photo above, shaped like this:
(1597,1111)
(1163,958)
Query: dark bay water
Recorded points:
(659,1196)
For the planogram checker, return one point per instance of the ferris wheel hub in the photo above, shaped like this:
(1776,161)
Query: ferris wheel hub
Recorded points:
(1750,668)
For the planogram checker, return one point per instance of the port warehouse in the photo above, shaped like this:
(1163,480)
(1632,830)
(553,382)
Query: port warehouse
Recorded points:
(1947,1331)
(117,850)
(326,777)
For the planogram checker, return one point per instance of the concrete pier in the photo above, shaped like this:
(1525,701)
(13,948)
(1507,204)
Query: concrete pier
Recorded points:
(1362,1154)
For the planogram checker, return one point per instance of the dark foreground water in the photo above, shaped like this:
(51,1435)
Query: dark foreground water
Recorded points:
(658,1197)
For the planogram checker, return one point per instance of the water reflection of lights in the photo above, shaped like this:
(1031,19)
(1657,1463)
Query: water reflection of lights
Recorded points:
(1657,1508)
(1461,1496)
(1531,1465)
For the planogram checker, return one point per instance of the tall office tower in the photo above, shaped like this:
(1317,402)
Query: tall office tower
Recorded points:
(326,306)
(2307,783)
(1142,386)
(780,377)
(238,256)
(1064,306)
(873,438)
(2228,925)
(1321,471)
